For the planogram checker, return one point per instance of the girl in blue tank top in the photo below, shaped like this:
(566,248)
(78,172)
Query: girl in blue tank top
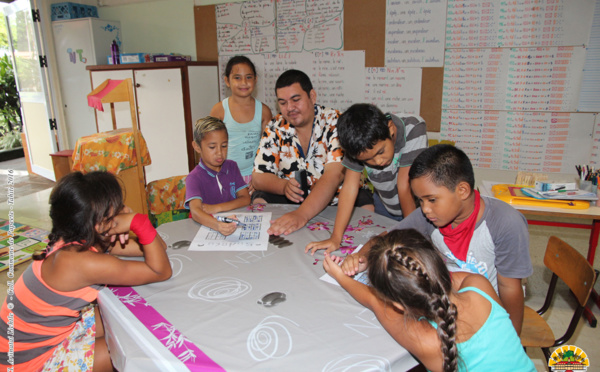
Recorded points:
(244,115)
(449,323)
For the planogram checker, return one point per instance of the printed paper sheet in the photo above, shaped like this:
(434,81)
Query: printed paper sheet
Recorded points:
(251,237)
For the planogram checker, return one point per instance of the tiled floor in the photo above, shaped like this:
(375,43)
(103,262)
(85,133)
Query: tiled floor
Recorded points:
(23,183)
(31,207)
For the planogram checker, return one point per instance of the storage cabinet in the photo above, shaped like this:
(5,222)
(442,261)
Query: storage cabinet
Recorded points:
(170,97)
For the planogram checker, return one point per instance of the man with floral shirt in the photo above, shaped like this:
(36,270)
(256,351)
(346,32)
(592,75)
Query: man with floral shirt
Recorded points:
(299,158)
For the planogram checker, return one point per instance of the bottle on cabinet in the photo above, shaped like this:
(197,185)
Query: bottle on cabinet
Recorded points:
(114,53)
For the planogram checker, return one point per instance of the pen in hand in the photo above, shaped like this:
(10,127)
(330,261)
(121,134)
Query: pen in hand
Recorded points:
(229,220)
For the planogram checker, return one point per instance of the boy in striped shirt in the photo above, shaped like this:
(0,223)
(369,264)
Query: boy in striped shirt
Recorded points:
(385,145)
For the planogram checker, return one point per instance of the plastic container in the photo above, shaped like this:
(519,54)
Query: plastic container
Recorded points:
(91,11)
(67,10)
(62,11)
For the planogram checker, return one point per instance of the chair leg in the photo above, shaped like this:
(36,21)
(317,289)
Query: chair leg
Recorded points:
(547,355)
(587,312)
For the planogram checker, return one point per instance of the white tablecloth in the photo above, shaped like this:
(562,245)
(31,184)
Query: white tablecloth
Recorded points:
(212,299)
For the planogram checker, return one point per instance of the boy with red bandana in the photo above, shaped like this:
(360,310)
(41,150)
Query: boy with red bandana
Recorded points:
(474,233)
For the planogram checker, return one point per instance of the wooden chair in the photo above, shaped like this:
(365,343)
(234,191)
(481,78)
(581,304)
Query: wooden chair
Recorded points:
(134,179)
(576,272)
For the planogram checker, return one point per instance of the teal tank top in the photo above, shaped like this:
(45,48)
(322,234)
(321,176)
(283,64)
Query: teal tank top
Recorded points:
(243,137)
(495,346)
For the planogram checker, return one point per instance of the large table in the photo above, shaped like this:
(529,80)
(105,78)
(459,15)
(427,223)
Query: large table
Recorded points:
(208,315)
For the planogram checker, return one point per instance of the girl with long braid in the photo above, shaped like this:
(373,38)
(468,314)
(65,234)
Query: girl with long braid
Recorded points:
(449,322)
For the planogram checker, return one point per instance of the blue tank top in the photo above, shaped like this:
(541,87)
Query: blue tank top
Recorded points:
(495,346)
(243,137)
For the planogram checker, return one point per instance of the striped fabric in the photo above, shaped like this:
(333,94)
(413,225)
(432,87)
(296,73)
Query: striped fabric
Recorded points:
(42,317)
(411,140)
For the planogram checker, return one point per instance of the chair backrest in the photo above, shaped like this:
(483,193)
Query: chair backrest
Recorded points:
(570,266)
(166,195)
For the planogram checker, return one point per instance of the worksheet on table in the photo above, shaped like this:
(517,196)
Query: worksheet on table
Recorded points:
(251,235)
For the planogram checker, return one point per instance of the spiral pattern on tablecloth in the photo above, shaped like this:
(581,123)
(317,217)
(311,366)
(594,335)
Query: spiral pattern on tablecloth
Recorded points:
(176,261)
(219,289)
(270,339)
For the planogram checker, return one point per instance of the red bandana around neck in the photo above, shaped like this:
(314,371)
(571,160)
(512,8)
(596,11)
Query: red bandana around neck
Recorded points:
(458,239)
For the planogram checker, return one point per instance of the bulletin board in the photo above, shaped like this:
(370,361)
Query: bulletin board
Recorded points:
(518,89)
(364,29)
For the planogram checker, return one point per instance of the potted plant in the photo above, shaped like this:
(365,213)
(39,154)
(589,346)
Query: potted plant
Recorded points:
(10,113)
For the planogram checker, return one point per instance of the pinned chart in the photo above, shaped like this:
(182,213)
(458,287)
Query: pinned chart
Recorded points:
(267,26)
(527,141)
(309,25)
(414,33)
(516,79)
(394,89)
(491,24)
(246,28)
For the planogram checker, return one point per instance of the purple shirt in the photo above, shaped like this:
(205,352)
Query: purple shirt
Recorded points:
(213,188)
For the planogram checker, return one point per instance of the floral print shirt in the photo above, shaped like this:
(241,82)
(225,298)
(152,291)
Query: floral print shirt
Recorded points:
(279,151)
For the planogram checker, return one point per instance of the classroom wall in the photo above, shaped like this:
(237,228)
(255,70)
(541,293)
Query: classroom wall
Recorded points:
(165,26)
(157,27)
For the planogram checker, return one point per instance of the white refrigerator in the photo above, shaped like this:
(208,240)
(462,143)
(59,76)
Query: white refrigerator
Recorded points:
(79,43)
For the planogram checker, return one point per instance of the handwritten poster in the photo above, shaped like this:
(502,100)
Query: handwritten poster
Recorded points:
(275,64)
(589,99)
(515,79)
(246,28)
(414,33)
(395,90)
(595,155)
(526,141)
(269,26)
(518,23)
(338,77)
(309,25)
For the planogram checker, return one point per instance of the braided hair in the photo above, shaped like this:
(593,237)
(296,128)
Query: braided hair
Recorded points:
(405,268)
